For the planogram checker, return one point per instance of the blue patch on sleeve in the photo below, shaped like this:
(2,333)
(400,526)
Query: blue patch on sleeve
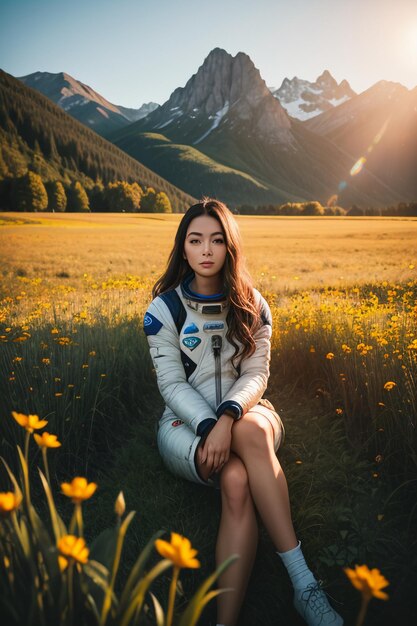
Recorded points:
(151,325)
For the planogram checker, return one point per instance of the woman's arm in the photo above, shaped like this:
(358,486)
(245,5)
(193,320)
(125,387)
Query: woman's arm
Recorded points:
(179,395)
(254,371)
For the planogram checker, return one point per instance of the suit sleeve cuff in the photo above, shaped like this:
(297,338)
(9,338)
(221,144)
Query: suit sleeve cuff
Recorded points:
(231,407)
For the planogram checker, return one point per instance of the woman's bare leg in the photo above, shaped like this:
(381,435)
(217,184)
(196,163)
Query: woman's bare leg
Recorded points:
(238,534)
(253,442)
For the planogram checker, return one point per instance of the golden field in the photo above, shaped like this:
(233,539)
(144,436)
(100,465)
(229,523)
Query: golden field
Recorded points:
(283,253)
(343,294)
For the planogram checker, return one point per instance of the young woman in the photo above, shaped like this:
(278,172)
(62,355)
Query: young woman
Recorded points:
(209,334)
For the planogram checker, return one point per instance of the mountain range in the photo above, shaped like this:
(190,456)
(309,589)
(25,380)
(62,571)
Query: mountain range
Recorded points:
(83,103)
(226,134)
(226,116)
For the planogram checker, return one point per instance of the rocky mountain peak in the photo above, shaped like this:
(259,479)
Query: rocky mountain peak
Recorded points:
(326,80)
(304,100)
(225,85)
(221,78)
(82,102)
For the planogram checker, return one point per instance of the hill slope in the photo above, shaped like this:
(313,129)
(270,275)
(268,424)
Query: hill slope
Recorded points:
(36,134)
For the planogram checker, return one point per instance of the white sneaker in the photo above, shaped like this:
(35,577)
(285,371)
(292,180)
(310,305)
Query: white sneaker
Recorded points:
(313,605)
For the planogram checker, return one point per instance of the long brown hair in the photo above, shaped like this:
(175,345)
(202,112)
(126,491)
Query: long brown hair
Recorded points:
(243,317)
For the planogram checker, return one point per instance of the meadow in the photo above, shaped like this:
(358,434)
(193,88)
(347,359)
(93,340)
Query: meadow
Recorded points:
(343,292)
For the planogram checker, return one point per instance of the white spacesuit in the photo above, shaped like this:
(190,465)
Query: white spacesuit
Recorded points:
(186,333)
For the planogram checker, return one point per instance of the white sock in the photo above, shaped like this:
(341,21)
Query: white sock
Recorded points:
(297,568)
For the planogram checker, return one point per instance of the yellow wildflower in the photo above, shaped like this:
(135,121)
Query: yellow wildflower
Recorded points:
(368,582)
(71,547)
(46,440)
(29,422)
(389,385)
(120,505)
(179,551)
(330,356)
(64,341)
(9,501)
(78,490)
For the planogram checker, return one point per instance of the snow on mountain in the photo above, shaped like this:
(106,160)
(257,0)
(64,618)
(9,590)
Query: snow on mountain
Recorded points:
(304,100)
(217,119)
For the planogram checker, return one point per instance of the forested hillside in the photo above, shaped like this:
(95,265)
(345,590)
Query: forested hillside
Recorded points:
(37,135)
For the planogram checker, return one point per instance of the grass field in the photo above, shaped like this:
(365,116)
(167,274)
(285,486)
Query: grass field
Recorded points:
(283,253)
(343,294)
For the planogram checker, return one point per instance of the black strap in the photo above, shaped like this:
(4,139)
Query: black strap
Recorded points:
(176,308)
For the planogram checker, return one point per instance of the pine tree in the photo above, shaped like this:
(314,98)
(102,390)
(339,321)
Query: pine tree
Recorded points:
(138,193)
(122,197)
(57,198)
(147,204)
(96,197)
(77,199)
(29,193)
(162,203)
(4,170)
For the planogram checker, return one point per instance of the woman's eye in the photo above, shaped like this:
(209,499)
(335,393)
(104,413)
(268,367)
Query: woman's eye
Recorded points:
(194,240)
(220,240)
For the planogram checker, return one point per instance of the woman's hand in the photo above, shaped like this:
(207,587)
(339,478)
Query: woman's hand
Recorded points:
(215,450)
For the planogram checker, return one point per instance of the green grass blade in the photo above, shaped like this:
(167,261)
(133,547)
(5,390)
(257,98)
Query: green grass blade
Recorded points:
(58,525)
(198,601)
(138,567)
(159,613)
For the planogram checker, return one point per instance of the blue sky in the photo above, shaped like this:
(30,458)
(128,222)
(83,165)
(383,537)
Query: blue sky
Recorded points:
(135,51)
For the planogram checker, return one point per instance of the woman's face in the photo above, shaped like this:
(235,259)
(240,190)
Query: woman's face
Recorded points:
(205,247)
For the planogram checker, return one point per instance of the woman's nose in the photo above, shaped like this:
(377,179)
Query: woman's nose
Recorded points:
(207,249)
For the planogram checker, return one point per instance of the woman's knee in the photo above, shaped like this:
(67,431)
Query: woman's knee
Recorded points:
(234,483)
(254,433)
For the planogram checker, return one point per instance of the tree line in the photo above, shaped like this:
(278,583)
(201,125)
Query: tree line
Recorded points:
(29,193)
(402,209)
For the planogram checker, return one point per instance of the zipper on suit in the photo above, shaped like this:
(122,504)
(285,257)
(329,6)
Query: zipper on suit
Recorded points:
(216,344)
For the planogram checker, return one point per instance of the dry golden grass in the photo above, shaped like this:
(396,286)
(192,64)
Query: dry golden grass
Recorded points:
(283,253)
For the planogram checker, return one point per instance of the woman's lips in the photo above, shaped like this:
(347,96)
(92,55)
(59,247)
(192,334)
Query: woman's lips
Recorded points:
(207,263)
